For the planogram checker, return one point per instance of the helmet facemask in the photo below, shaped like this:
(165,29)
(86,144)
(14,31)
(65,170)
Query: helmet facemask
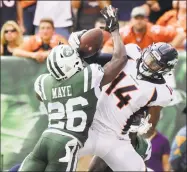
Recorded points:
(157,60)
(149,65)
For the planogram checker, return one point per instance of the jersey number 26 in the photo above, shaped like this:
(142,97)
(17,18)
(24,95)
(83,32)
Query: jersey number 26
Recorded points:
(65,116)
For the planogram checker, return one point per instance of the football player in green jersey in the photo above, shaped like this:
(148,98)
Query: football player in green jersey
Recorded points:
(69,92)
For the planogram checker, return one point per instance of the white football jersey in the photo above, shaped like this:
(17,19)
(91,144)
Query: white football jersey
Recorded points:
(126,95)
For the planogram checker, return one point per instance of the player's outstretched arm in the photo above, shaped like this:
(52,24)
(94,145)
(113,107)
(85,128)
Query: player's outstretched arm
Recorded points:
(119,58)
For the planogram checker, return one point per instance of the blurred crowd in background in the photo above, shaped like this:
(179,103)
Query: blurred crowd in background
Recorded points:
(30,29)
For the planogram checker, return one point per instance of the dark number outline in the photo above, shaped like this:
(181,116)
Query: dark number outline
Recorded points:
(123,100)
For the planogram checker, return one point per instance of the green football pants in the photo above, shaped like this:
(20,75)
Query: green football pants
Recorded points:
(53,152)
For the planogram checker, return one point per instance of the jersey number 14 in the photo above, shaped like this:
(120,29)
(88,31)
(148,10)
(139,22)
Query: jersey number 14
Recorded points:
(123,100)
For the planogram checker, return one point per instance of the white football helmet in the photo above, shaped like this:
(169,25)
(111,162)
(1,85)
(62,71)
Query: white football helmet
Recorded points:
(63,62)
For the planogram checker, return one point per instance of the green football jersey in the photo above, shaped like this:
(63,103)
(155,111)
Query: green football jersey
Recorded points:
(71,103)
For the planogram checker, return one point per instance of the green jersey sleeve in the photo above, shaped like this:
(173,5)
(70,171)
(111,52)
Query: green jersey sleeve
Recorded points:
(39,86)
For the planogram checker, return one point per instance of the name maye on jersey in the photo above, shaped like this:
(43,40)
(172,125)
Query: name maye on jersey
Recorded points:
(59,92)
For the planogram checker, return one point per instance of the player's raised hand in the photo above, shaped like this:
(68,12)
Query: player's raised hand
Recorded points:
(110,15)
(74,39)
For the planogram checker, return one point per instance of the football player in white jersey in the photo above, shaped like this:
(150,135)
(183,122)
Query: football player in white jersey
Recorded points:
(141,145)
(139,86)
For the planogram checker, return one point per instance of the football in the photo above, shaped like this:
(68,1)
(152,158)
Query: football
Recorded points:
(91,42)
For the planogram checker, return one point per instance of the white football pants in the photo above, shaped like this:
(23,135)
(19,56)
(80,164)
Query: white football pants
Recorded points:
(118,153)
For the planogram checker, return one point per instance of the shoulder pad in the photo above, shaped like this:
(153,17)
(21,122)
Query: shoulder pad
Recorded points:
(133,51)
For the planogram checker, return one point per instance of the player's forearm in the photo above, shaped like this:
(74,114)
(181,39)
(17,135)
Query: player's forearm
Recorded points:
(154,112)
(119,52)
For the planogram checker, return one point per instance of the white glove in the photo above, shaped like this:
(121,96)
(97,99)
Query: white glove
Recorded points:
(74,39)
(144,125)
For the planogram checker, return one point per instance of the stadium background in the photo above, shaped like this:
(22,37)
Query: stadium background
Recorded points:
(23,118)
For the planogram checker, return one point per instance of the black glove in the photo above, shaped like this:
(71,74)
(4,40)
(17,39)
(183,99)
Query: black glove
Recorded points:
(110,15)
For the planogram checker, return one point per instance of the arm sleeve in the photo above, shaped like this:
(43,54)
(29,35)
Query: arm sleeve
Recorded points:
(38,86)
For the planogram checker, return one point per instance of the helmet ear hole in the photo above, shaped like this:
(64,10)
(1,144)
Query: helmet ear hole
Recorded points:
(76,63)
(61,56)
